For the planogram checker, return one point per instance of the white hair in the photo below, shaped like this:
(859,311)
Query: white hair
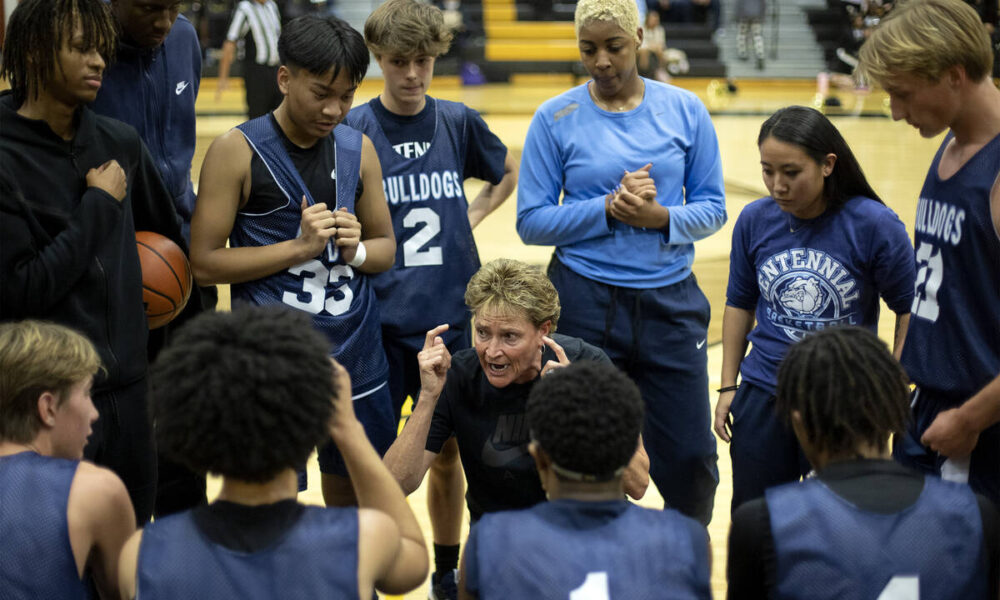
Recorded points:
(623,13)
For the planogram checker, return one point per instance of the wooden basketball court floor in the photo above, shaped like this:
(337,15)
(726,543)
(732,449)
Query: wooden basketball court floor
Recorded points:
(893,156)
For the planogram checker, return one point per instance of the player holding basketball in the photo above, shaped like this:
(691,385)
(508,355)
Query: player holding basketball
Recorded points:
(622,174)
(62,520)
(74,188)
(817,253)
(427,147)
(587,540)
(305,217)
(934,59)
(247,395)
(865,526)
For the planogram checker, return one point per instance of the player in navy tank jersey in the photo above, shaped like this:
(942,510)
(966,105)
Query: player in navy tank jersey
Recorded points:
(305,218)
(817,253)
(247,395)
(934,59)
(587,541)
(865,527)
(63,520)
(427,148)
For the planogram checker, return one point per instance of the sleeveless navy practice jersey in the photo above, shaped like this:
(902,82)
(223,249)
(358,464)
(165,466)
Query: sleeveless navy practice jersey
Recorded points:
(826,548)
(316,558)
(953,341)
(568,549)
(36,560)
(436,254)
(339,298)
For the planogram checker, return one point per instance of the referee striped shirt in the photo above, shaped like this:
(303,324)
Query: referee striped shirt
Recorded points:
(262,20)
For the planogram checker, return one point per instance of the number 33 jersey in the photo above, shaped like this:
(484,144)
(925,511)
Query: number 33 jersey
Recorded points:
(339,298)
(953,342)
(435,251)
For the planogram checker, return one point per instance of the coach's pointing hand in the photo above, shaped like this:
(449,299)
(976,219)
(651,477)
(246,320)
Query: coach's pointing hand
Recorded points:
(434,361)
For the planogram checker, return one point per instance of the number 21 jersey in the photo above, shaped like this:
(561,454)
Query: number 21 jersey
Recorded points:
(953,341)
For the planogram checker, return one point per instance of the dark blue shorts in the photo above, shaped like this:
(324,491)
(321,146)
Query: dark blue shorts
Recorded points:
(764,450)
(983,464)
(375,413)
(659,338)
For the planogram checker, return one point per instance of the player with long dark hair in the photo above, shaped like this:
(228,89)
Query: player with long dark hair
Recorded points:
(817,253)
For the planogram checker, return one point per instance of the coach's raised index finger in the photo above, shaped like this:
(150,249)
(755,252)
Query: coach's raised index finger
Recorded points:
(433,333)
(560,353)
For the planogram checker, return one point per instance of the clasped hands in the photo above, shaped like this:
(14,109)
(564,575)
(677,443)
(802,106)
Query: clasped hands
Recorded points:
(319,224)
(634,203)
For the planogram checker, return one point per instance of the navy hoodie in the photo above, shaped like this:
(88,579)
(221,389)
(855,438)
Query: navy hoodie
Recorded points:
(154,90)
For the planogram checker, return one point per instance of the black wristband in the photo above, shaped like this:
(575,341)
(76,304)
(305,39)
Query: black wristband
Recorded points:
(728,388)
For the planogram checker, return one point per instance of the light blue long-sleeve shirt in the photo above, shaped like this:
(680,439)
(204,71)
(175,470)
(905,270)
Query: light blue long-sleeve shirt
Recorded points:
(580,151)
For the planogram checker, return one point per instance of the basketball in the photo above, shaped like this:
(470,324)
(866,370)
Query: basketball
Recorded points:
(166,277)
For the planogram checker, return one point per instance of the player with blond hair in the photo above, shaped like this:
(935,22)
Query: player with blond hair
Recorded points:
(55,510)
(934,59)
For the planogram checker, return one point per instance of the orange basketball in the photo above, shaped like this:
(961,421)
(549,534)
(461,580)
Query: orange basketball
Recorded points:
(166,277)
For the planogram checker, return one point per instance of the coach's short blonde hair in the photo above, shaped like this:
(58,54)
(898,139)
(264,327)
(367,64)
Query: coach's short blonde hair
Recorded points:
(407,28)
(623,13)
(513,288)
(925,38)
(38,357)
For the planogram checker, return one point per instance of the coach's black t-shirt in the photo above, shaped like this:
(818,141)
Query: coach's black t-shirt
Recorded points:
(492,431)
(880,486)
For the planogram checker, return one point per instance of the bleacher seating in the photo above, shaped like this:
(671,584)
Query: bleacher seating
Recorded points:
(520,37)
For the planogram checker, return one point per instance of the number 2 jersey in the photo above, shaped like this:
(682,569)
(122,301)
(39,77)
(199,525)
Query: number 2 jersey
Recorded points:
(339,298)
(953,342)
(423,179)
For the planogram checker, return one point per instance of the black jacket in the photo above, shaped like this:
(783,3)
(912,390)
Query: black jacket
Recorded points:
(67,252)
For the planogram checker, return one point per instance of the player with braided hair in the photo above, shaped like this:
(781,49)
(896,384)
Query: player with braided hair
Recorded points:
(865,525)
(247,395)
(585,421)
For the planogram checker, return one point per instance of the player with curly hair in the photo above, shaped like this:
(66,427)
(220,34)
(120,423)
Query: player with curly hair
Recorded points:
(247,395)
(585,422)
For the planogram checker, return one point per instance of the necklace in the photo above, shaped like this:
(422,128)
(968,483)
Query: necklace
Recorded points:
(625,106)
(796,224)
